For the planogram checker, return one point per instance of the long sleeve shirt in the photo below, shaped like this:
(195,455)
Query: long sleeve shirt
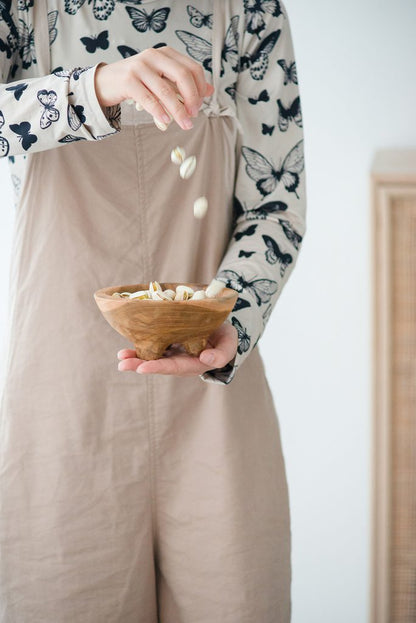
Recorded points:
(257,76)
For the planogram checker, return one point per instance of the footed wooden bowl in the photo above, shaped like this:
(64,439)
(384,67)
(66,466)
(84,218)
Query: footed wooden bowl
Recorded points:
(153,326)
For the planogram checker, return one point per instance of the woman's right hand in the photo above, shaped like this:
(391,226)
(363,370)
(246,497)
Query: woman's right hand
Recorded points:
(153,78)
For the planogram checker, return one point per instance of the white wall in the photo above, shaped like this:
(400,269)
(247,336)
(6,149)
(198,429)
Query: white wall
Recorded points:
(356,64)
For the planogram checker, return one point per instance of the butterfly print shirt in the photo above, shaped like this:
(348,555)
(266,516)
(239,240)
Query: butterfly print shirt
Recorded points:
(258,83)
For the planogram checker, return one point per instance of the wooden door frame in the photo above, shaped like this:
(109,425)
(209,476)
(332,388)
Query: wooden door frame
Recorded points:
(385,190)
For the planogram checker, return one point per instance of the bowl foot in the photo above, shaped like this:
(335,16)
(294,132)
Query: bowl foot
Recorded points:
(195,346)
(150,350)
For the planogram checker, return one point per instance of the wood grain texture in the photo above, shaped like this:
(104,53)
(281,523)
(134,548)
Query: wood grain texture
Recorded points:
(393,578)
(152,326)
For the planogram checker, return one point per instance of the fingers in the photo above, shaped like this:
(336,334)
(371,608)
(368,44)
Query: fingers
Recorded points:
(164,72)
(222,349)
(129,360)
(195,69)
(178,365)
(124,353)
(167,95)
(224,342)
(141,94)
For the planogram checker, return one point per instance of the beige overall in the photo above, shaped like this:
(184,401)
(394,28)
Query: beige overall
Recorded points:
(128,498)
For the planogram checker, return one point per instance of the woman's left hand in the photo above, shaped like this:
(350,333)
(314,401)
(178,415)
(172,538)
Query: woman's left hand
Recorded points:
(221,348)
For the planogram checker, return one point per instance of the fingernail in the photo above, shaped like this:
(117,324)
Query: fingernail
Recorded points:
(139,371)
(120,368)
(187,124)
(207,358)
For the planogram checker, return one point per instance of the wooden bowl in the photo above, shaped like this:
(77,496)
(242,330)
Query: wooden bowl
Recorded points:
(153,326)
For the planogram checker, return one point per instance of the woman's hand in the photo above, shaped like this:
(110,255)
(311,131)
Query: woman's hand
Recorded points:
(221,347)
(153,78)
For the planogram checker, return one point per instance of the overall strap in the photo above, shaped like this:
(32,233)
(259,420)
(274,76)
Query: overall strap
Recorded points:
(41,36)
(217,42)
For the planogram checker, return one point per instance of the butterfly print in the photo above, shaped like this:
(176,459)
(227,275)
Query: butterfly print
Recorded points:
(200,49)
(245,253)
(243,337)
(293,113)
(230,51)
(255,9)
(4,147)
(75,116)
(241,304)
(267,129)
(67,73)
(96,41)
(274,254)
(198,19)
(102,9)
(50,114)
(290,71)
(17,90)
(53,32)
(266,313)
(126,51)
(263,97)
(290,233)
(113,114)
(23,131)
(246,232)
(261,289)
(231,90)
(4,47)
(258,62)
(143,21)
(223,374)
(4,143)
(260,170)
(69,138)
(261,212)
(24,5)
(11,43)
(27,45)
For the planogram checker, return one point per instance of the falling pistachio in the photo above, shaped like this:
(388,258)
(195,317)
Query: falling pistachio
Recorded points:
(187,167)
(200,207)
(178,155)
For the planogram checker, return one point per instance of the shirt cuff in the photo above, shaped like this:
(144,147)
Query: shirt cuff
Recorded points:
(99,121)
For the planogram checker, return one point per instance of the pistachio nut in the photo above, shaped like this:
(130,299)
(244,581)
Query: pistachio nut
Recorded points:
(140,294)
(200,207)
(154,286)
(198,295)
(183,293)
(187,167)
(214,288)
(178,155)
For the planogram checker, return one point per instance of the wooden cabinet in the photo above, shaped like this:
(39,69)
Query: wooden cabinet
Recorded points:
(393,586)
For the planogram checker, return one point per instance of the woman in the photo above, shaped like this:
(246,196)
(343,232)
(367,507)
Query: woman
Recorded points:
(158,496)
